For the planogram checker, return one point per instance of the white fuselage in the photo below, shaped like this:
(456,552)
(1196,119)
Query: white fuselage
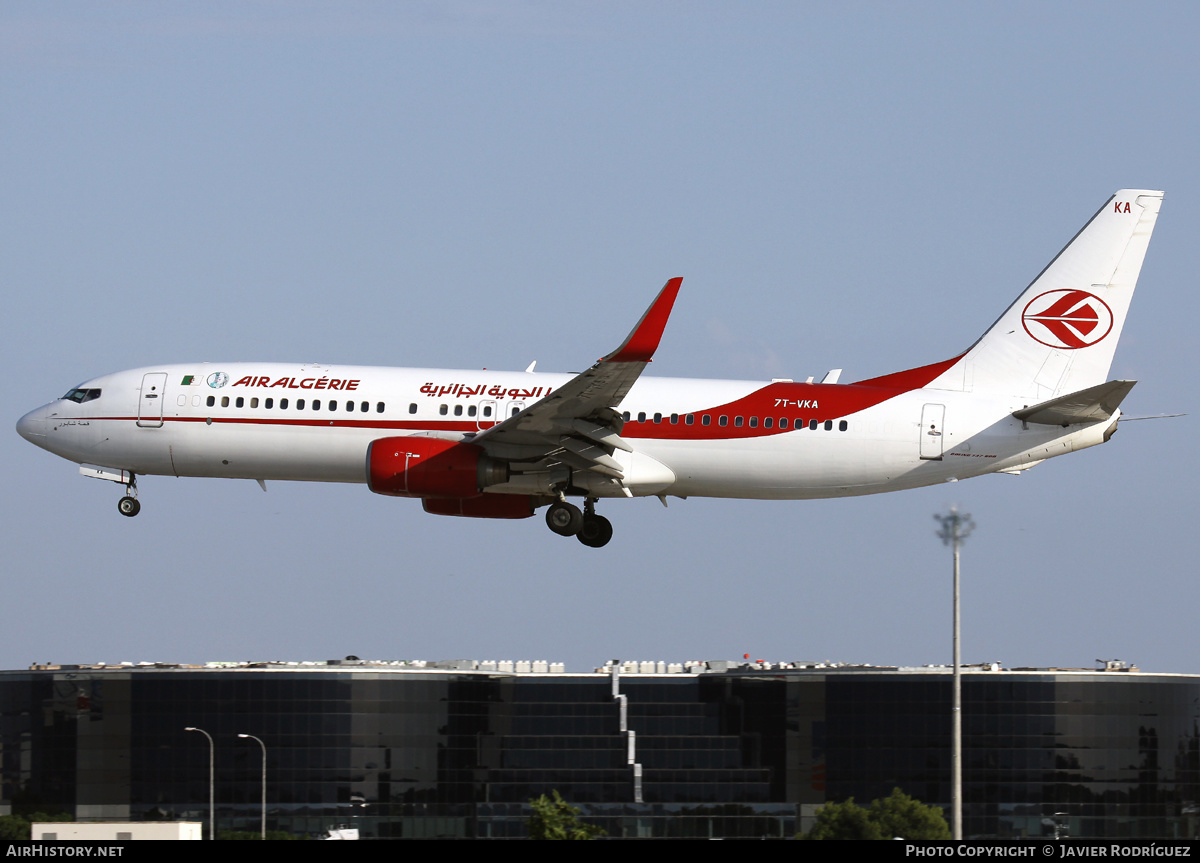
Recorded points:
(713,438)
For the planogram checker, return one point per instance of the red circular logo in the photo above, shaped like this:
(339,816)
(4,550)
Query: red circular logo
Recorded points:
(1067,319)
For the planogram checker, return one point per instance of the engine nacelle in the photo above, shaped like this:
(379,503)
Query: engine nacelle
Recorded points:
(430,468)
(484,506)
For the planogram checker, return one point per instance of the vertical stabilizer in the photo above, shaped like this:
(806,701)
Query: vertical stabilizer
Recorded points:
(1061,333)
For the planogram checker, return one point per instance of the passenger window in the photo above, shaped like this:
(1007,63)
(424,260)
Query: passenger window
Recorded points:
(254,402)
(224,401)
(443,409)
(182,400)
(458,410)
(471,410)
(767,422)
(674,419)
(783,422)
(212,400)
(195,401)
(333,404)
(737,422)
(241,402)
(812,425)
(349,407)
(724,421)
(625,416)
(689,419)
(412,408)
(753,422)
(641,416)
(705,419)
(843,425)
(316,404)
(269,403)
(658,418)
(299,404)
(283,403)
(487,410)
(379,407)
(828,425)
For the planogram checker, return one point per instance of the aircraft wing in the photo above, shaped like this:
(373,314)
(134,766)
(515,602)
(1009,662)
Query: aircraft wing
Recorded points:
(578,425)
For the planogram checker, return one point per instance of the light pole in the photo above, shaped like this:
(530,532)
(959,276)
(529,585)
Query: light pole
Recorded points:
(956,527)
(263,823)
(212,817)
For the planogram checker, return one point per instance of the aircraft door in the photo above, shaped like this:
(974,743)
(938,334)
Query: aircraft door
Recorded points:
(150,402)
(933,418)
(487,414)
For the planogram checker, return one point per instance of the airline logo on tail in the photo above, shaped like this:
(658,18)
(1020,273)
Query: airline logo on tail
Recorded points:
(1067,319)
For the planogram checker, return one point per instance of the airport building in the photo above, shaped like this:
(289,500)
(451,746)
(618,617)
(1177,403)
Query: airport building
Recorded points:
(645,749)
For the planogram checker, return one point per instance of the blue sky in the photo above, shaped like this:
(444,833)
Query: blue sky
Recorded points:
(860,186)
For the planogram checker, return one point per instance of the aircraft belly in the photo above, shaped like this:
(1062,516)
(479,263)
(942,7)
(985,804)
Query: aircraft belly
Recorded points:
(789,466)
(304,453)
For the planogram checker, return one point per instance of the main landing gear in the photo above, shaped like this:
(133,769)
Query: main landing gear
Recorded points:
(592,530)
(129,504)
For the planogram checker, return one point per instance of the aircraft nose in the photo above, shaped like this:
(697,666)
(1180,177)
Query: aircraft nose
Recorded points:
(32,426)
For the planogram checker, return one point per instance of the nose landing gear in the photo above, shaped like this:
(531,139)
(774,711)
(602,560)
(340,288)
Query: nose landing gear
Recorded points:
(129,504)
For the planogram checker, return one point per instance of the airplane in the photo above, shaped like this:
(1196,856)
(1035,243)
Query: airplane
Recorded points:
(491,444)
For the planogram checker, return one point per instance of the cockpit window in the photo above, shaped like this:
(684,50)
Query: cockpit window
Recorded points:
(80,396)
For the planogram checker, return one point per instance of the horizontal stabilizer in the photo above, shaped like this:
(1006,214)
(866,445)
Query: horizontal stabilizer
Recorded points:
(1093,404)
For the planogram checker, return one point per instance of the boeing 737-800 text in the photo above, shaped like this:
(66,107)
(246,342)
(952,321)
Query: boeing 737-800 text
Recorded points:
(491,444)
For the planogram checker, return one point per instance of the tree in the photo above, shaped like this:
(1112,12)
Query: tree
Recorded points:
(896,816)
(843,821)
(900,816)
(554,818)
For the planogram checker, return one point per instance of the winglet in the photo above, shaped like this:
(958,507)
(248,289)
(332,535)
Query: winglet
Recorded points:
(639,346)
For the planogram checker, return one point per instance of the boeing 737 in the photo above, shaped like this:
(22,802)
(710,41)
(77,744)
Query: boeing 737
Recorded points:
(487,444)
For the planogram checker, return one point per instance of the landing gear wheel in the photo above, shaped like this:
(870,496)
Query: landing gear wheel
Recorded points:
(565,519)
(129,506)
(596,531)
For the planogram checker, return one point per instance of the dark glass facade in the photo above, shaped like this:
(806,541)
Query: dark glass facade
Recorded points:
(404,753)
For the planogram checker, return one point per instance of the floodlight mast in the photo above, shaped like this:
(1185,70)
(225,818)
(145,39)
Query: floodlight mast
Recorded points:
(956,527)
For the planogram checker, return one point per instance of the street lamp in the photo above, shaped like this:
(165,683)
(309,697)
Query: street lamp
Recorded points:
(956,527)
(212,817)
(263,824)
